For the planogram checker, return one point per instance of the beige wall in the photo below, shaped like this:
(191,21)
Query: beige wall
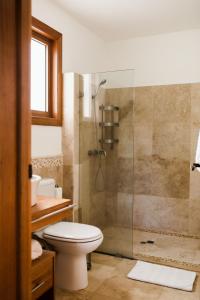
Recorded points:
(166,125)
(119,161)
(149,170)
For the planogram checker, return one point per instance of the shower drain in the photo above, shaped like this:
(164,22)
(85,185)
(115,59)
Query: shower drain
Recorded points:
(147,242)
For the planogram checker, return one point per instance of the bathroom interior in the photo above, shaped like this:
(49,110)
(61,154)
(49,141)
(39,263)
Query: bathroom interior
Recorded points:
(119,168)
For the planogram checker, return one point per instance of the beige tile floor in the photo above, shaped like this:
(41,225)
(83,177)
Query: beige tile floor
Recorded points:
(183,252)
(108,281)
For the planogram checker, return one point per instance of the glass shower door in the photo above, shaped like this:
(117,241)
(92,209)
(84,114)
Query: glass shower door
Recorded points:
(106,157)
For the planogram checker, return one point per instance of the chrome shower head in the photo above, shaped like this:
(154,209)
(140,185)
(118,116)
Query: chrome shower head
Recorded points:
(100,84)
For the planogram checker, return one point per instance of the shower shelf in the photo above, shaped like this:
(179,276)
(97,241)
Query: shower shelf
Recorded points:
(108,124)
(108,107)
(109,141)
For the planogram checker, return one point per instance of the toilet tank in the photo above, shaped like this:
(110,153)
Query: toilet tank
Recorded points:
(47,187)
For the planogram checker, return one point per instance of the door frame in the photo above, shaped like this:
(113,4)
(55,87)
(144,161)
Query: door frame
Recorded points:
(15,207)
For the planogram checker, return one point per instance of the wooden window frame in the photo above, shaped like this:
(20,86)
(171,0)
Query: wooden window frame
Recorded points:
(53,39)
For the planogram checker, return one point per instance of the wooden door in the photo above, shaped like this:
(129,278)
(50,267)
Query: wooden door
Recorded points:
(15,262)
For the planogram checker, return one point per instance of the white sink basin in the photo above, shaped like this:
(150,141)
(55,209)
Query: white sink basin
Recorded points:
(34,188)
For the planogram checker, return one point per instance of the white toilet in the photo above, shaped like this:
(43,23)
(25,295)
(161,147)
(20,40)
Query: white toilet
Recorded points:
(72,242)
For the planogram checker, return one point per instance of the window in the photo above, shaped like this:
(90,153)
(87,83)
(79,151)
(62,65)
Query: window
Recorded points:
(46,75)
(87,98)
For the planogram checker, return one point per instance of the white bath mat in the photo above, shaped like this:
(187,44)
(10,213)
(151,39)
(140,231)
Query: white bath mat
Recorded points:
(162,275)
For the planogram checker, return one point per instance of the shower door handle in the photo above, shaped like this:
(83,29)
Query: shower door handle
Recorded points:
(195,165)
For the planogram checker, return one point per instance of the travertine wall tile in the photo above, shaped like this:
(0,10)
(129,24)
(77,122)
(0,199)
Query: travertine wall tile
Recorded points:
(97,209)
(195,106)
(194,217)
(125,175)
(68,182)
(142,178)
(111,208)
(158,132)
(161,214)
(172,140)
(143,106)
(124,210)
(49,167)
(70,135)
(119,162)
(125,145)
(166,128)
(170,178)
(146,210)
(173,105)
(143,139)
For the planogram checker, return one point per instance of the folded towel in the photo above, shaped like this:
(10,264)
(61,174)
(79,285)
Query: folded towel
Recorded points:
(36,249)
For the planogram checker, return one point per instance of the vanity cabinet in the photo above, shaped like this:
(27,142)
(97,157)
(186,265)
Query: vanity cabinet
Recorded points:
(47,211)
(43,276)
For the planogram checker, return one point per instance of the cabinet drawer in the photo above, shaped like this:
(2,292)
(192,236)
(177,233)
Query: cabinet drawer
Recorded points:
(42,274)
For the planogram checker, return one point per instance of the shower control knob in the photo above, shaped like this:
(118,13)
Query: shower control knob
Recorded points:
(96,152)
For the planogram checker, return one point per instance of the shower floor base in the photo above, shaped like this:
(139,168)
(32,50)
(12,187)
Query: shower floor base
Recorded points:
(171,250)
(166,249)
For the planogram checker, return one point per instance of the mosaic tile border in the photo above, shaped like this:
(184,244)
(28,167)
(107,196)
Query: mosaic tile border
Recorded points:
(47,162)
(168,233)
(167,262)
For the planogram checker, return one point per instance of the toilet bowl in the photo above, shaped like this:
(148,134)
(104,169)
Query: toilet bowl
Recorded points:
(72,242)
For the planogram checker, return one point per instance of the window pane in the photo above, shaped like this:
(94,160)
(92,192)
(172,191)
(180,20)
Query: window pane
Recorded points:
(38,76)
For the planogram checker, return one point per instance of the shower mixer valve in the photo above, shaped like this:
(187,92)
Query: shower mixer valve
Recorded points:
(97,152)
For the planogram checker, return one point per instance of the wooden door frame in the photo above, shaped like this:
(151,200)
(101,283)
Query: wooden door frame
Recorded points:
(15,239)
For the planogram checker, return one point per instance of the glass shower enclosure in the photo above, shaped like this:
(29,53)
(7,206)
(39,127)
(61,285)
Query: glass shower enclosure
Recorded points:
(106,157)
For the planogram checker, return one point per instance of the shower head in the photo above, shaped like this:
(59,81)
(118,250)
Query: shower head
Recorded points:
(103,81)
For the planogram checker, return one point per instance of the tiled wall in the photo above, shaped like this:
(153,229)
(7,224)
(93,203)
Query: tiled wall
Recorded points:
(148,179)
(51,167)
(106,195)
(150,168)
(166,125)
(119,161)
(70,140)
(92,188)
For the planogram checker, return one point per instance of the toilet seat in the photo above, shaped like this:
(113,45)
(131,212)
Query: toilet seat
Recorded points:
(72,232)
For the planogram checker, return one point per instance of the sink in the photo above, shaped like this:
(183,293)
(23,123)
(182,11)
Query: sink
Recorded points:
(34,188)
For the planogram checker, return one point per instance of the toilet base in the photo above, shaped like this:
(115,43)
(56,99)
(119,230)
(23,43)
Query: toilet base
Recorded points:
(71,272)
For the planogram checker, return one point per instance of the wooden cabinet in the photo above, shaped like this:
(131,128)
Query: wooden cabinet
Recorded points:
(47,211)
(50,210)
(43,276)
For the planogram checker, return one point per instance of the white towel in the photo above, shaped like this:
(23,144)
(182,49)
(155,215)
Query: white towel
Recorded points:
(36,249)
(163,275)
(197,156)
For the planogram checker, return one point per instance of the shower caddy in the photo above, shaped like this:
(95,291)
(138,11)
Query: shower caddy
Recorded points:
(109,115)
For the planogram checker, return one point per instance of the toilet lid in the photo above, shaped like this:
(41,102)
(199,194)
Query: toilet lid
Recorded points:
(73,231)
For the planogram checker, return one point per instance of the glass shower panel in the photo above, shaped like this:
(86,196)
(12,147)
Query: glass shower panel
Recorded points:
(106,157)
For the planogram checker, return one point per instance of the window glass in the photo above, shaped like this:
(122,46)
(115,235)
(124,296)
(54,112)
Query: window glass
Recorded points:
(87,95)
(39,73)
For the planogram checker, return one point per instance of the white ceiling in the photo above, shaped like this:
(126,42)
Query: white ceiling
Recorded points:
(123,19)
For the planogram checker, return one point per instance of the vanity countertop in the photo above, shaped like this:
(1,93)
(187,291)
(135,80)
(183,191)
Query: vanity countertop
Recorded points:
(49,210)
